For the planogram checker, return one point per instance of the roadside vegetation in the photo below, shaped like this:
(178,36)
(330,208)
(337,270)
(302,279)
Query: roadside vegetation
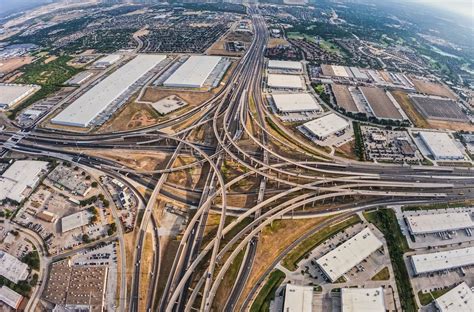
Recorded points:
(359,141)
(296,255)
(267,292)
(457,204)
(386,221)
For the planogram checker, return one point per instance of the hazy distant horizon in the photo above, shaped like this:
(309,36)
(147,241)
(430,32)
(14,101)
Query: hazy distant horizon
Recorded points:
(462,7)
(12,6)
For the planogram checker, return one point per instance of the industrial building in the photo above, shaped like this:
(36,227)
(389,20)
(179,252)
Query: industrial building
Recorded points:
(88,107)
(13,94)
(295,102)
(439,222)
(20,179)
(277,81)
(340,71)
(325,126)
(458,299)
(362,300)
(77,286)
(298,298)
(338,261)
(285,65)
(80,78)
(193,73)
(106,61)
(10,297)
(442,260)
(441,146)
(11,268)
(74,221)
(358,74)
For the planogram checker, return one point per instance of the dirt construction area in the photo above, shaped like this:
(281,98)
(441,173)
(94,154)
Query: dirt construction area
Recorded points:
(11,64)
(432,88)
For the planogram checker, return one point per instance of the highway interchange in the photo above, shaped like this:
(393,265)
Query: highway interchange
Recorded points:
(285,185)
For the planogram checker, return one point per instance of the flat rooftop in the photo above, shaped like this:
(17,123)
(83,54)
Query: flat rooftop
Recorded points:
(12,93)
(108,59)
(87,107)
(339,71)
(344,257)
(18,177)
(10,297)
(441,145)
(193,72)
(443,260)
(298,298)
(439,222)
(295,102)
(75,220)
(362,300)
(12,268)
(458,299)
(285,65)
(285,81)
(326,125)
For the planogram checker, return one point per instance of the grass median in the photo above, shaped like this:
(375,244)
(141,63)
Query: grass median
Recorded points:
(267,293)
(298,253)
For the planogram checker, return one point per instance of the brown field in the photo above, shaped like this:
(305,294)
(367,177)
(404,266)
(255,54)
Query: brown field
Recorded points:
(273,240)
(218,48)
(450,125)
(380,103)
(432,88)
(50,59)
(347,150)
(145,268)
(138,160)
(327,70)
(344,98)
(275,42)
(11,64)
(132,116)
(407,106)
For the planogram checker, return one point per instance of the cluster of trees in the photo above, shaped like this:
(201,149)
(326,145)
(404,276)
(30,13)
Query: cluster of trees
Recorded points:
(359,141)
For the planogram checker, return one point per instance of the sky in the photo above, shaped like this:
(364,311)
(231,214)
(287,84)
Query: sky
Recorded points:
(462,7)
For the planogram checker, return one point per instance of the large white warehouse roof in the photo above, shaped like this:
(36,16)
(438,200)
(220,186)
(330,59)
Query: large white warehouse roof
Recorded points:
(326,125)
(344,257)
(285,65)
(18,177)
(86,108)
(439,222)
(362,300)
(74,221)
(441,145)
(285,81)
(443,260)
(107,60)
(12,268)
(298,298)
(194,72)
(460,298)
(10,297)
(295,102)
(11,94)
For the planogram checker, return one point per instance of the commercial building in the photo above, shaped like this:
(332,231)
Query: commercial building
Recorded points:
(442,260)
(338,261)
(285,81)
(295,102)
(11,268)
(325,126)
(441,146)
(77,286)
(298,298)
(439,222)
(458,299)
(74,221)
(194,72)
(13,94)
(340,71)
(106,61)
(358,74)
(10,297)
(95,101)
(362,300)
(80,78)
(285,65)
(20,179)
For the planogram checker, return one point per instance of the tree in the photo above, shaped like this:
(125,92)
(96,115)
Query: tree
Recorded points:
(94,184)
(85,238)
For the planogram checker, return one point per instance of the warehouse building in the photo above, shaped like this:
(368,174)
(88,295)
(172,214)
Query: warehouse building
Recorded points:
(340,260)
(458,299)
(80,78)
(11,268)
(75,221)
(441,146)
(10,297)
(20,179)
(340,71)
(286,65)
(295,102)
(442,260)
(362,300)
(358,74)
(108,93)
(106,61)
(298,298)
(13,94)
(194,72)
(325,126)
(439,222)
(277,81)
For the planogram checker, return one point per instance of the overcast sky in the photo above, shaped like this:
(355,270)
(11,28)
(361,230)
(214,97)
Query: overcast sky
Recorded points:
(463,7)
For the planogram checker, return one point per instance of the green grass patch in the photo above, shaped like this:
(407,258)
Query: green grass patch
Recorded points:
(458,204)
(267,293)
(50,76)
(427,298)
(386,221)
(382,275)
(329,47)
(300,36)
(297,254)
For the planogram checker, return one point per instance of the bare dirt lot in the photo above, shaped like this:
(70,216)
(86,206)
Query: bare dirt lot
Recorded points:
(275,42)
(432,88)
(132,116)
(11,64)
(137,160)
